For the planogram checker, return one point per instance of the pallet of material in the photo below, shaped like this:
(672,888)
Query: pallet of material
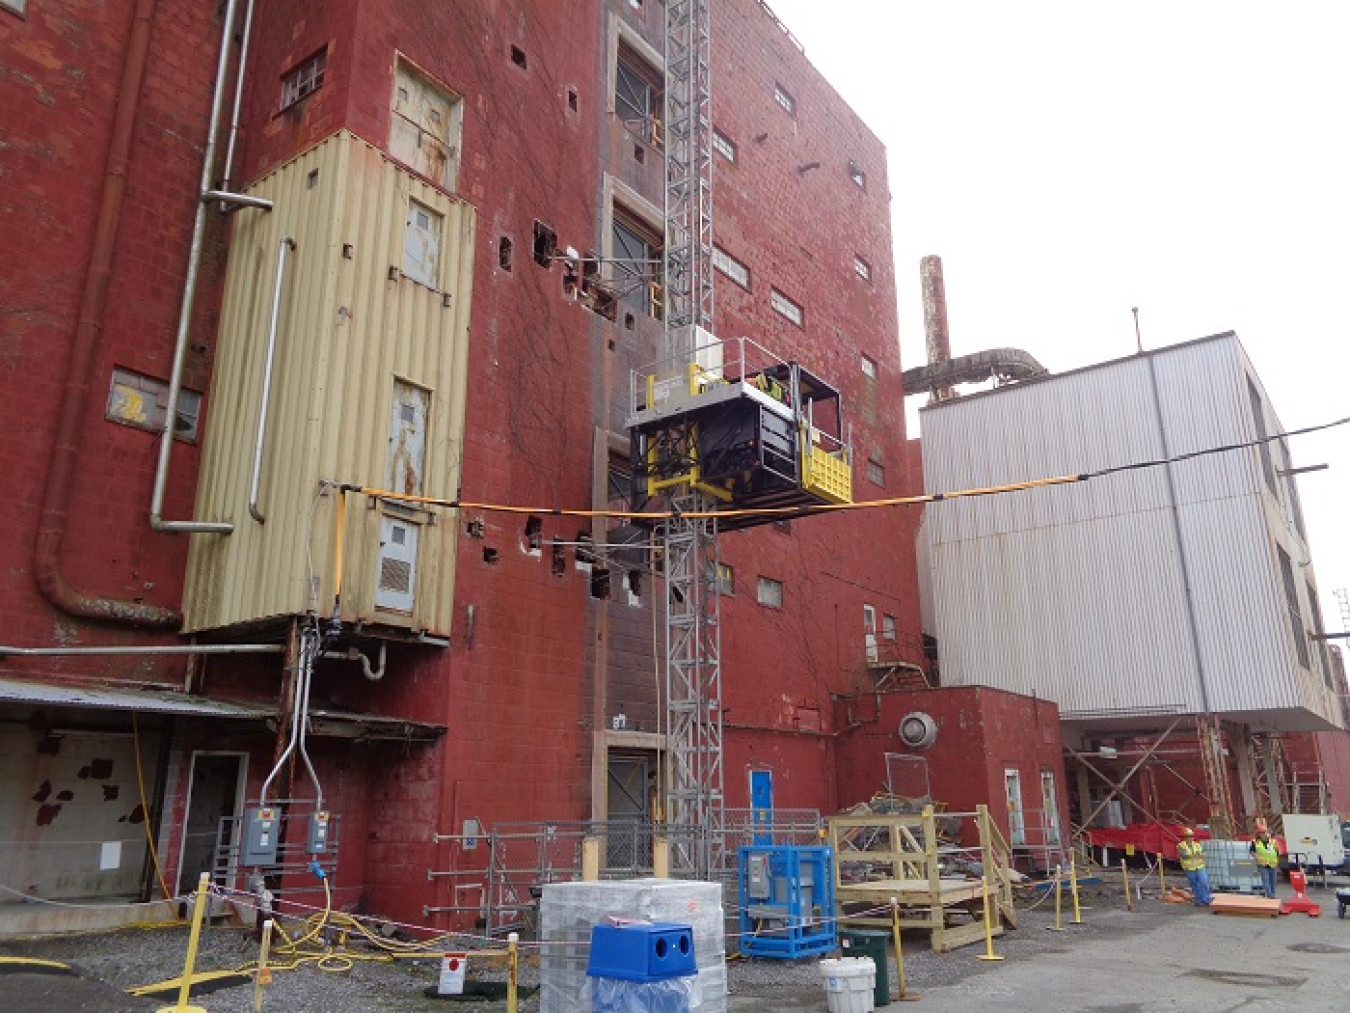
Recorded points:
(1239,904)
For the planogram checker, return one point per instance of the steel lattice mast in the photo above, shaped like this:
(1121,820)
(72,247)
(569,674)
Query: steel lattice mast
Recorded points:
(693,636)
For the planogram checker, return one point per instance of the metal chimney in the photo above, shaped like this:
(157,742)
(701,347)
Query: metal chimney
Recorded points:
(936,337)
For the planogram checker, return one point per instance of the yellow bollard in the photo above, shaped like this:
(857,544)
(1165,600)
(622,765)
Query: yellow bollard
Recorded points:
(1059,900)
(661,856)
(1162,876)
(203,898)
(590,859)
(904,995)
(988,953)
(512,971)
(1125,879)
(1073,886)
(263,976)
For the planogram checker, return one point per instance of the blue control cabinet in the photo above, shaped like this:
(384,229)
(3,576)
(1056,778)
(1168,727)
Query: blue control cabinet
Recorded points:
(787,900)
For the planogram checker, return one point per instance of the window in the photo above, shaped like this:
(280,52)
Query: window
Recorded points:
(636,258)
(784,98)
(876,471)
(304,80)
(426,126)
(862,268)
(638,96)
(17,6)
(786,307)
(888,628)
(770,592)
(856,173)
(1291,603)
(869,368)
(142,402)
(726,579)
(422,245)
(1259,417)
(731,267)
(724,146)
(1315,606)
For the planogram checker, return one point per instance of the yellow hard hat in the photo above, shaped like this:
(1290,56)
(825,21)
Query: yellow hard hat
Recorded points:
(1188,832)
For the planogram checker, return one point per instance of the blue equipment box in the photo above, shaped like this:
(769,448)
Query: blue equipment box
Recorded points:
(644,951)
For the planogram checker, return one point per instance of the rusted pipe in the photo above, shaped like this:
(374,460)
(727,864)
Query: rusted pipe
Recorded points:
(88,332)
(937,339)
(148,649)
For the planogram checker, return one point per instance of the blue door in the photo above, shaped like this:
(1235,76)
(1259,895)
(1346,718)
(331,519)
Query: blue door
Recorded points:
(761,804)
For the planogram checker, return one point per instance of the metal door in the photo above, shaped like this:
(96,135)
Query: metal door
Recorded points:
(761,804)
(870,632)
(1017,828)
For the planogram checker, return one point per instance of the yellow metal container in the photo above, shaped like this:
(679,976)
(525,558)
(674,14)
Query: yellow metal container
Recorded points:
(367,388)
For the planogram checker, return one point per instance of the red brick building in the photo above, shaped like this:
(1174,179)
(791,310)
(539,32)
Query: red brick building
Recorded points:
(465,210)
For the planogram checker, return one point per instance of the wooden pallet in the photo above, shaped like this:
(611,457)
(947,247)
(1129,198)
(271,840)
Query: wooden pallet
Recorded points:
(1241,904)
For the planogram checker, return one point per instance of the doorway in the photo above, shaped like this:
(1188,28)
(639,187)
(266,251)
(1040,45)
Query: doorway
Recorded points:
(761,805)
(211,823)
(630,786)
(1017,827)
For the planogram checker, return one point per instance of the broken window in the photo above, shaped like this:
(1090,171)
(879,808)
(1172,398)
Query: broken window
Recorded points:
(637,270)
(638,95)
(142,402)
(303,80)
(425,126)
(856,173)
(770,592)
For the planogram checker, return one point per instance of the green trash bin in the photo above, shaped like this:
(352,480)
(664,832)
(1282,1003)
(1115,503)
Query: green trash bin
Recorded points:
(870,943)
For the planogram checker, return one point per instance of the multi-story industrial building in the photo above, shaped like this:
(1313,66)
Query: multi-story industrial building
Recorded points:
(1161,592)
(315,319)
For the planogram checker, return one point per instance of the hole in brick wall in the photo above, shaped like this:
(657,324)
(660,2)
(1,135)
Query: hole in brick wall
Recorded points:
(475,528)
(573,102)
(639,153)
(518,57)
(533,527)
(629,321)
(545,244)
(490,556)
(599,583)
(504,252)
(635,582)
(559,560)
(611,344)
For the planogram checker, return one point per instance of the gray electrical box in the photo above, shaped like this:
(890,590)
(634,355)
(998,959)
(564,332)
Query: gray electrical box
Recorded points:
(262,834)
(757,877)
(318,833)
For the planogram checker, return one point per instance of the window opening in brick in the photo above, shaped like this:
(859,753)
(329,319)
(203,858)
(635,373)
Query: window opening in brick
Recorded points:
(17,6)
(888,628)
(518,57)
(783,527)
(426,126)
(634,579)
(504,253)
(639,154)
(876,471)
(856,173)
(559,560)
(726,580)
(545,244)
(770,592)
(786,307)
(534,527)
(637,264)
(475,528)
(869,367)
(731,267)
(784,98)
(573,102)
(638,96)
(600,583)
(490,556)
(724,146)
(142,402)
(304,79)
(862,268)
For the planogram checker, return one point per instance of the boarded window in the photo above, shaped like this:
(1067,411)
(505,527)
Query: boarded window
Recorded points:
(143,402)
(422,245)
(425,126)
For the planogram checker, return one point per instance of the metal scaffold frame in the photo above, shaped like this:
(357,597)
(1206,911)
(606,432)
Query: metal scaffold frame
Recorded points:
(693,635)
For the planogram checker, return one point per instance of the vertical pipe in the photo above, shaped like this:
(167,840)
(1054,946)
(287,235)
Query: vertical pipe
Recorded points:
(937,339)
(265,396)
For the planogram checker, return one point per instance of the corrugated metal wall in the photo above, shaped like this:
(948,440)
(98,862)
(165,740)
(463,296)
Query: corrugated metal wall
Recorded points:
(1077,593)
(351,326)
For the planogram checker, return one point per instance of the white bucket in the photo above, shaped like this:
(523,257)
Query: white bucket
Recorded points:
(452,974)
(849,984)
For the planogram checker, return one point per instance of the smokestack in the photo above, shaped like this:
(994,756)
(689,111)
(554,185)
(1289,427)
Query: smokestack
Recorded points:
(936,337)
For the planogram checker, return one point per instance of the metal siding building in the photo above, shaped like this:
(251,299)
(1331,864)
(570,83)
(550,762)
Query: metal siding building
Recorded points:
(1078,592)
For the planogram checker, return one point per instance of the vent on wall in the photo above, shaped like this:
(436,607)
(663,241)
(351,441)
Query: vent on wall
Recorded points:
(918,730)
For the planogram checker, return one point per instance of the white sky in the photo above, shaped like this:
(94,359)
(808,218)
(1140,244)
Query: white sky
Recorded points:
(1069,160)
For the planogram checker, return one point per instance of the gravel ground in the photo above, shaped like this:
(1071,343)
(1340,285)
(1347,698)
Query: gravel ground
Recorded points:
(137,957)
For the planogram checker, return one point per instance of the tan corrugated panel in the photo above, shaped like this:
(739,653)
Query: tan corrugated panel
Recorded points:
(1077,592)
(351,325)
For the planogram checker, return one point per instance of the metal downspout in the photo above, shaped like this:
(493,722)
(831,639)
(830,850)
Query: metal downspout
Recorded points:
(88,332)
(265,397)
(204,193)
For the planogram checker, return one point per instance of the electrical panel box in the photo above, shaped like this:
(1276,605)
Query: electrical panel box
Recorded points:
(757,876)
(787,900)
(318,833)
(262,834)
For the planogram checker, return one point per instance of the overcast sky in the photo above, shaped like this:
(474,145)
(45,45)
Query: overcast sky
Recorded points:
(1071,160)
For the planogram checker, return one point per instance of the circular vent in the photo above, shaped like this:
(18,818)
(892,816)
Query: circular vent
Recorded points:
(918,730)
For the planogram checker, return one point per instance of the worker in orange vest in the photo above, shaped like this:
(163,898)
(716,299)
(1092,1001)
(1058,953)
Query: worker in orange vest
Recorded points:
(1192,855)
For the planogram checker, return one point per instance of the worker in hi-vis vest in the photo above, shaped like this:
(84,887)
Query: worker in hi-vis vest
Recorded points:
(1192,855)
(1267,860)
